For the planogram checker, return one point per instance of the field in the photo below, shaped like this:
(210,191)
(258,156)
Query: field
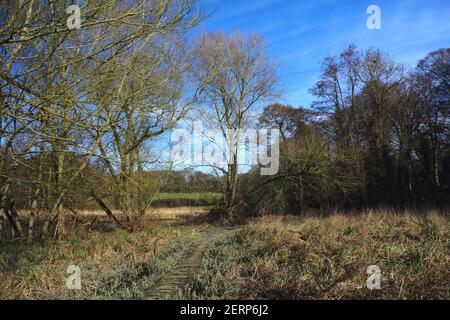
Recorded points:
(114,265)
(186,199)
(266,258)
(291,258)
(189,196)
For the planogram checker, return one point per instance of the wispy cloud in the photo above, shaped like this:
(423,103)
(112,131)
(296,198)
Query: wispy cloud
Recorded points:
(302,33)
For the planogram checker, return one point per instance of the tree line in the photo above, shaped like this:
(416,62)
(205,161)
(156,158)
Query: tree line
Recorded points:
(377,134)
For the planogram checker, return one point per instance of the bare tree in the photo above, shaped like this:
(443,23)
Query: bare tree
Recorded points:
(432,80)
(235,74)
(53,105)
(145,97)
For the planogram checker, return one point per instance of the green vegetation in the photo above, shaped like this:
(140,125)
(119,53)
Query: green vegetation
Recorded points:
(190,196)
(195,199)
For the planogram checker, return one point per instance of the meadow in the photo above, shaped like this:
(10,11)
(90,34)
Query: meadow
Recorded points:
(272,257)
(195,199)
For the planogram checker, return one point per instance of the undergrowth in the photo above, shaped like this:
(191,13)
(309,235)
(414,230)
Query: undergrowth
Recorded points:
(311,258)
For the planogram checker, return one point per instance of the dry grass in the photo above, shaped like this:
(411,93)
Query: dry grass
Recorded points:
(152,214)
(38,270)
(269,258)
(177,213)
(313,258)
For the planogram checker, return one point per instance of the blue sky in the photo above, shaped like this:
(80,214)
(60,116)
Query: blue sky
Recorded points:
(301,33)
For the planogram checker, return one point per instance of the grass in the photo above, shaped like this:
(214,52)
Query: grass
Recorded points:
(312,258)
(189,196)
(134,280)
(116,265)
(176,213)
(174,200)
(268,258)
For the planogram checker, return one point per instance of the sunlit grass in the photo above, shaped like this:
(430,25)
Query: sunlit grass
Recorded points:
(38,270)
(313,258)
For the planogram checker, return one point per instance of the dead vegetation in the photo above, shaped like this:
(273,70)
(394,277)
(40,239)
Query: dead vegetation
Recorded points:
(273,257)
(327,258)
(114,263)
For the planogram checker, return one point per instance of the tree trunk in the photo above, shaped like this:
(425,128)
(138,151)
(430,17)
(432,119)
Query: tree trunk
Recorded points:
(436,167)
(105,208)
(35,204)
(33,214)
(10,211)
(2,224)
(61,223)
(58,202)
(231,187)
